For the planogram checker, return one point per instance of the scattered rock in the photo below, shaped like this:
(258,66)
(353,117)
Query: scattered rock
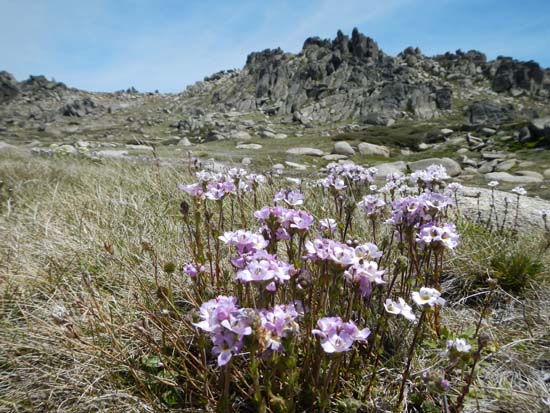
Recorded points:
(371,149)
(530,173)
(390,168)
(506,165)
(297,166)
(280,136)
(184,142)
(140,147)
(305,151)
(379,118)
(493,155)
(488,166)
(488,131)
(452,167)
(241,135)
(334,157)
(446,132)
(489,112)
(110,153)
(253,146)
(246,161)
(506,177)
(343,148)
(5,146)
(546,173)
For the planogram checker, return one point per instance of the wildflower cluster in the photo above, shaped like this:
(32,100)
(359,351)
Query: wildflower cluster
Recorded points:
(316,296)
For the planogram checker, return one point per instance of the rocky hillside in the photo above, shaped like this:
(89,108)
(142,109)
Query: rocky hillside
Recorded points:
(353,79)
(481,113)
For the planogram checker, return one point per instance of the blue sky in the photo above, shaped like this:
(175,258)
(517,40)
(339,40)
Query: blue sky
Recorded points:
(106,45)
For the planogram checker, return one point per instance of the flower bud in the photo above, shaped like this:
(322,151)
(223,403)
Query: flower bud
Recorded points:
(483,339)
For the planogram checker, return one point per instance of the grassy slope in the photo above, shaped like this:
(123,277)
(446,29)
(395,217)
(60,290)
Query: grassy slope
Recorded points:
(56,215)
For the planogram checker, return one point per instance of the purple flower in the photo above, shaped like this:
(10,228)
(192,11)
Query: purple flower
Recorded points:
(364,273)
(337,336)
(291,198)
(227,325)
(327,225)
(244,241)
(372,205)
(438,236)
(277,323)
(195,190)
(218,190)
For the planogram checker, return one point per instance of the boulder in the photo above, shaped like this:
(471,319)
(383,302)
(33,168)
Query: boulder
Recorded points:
(446,132)
(253,146)
(530,173)
(516,179)
(301,151)
(489,112)
(343,148)
(452,167)
(184,142)
(506,165)
(379,118)
(334,157)
(280,136)
(371,149)
(546,173)
(540,128)
(390,168)
(240,135)
(4,146)
(9,87)
(512,74)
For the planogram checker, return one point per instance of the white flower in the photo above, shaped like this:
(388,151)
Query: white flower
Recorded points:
(428,296)
(519,190)
(460,345)
(400,307)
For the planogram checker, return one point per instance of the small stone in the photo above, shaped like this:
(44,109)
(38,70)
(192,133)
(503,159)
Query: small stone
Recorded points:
(280,136)
(246,161)
(334,157)
(446,132)
(462,151)
(488,131)
(546,173)
(297,166)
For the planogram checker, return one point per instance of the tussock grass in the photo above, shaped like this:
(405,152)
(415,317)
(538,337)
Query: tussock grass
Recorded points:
(82,240)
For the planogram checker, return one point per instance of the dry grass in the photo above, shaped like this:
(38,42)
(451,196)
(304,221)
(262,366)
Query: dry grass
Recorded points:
(72,237)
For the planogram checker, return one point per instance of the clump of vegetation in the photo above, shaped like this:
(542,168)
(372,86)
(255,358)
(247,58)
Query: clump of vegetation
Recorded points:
(516,270)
